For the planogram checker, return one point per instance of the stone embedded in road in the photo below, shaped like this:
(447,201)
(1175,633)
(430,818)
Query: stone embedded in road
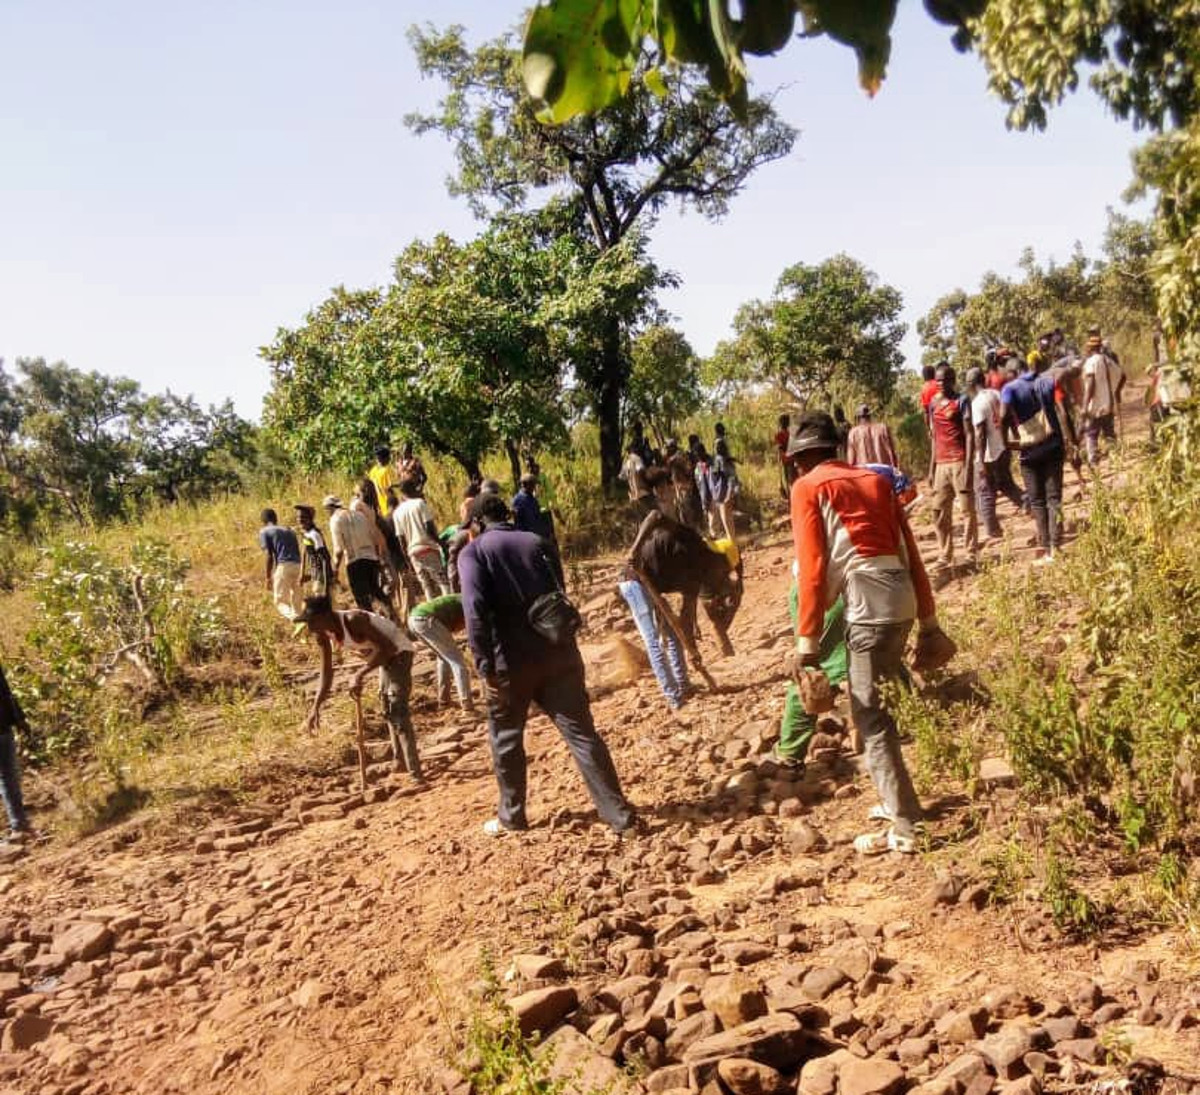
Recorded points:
(746,1077)
(777,1040)
(872,1076)
(24,1032)
(541,1009)
(1005,1050)
(82,942)
(733,998)
(963,1026)
(538,967)
(996,772)
(820,982)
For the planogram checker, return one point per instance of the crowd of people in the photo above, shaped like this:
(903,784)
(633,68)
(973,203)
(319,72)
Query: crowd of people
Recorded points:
(700,490)
(495,576)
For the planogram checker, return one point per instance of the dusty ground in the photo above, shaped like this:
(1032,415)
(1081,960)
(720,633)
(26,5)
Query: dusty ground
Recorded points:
(317,942)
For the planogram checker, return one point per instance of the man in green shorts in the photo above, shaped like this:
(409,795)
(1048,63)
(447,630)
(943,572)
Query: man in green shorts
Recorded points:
(798,726)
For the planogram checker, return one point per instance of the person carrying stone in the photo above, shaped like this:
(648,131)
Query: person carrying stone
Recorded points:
(852,540)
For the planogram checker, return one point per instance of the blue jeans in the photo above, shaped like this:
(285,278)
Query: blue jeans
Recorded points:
(670,671)
(10,781)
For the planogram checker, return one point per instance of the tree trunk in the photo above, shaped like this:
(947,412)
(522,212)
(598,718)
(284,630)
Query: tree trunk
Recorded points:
(514,462)
(470,465)
(608,408)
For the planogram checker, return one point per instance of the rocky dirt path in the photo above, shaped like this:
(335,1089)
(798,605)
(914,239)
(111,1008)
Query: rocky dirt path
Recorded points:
(326,941)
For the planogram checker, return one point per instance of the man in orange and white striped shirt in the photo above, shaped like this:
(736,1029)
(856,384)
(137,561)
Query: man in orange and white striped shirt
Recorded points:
(852,539)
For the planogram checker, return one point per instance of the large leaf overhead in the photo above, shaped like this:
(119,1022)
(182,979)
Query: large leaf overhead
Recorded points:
(580,54)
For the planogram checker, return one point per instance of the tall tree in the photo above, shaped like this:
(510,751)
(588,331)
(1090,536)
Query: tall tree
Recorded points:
(466,349)
(1114,291)
(663,141)
(1141,57)
(664,386)
(830,330)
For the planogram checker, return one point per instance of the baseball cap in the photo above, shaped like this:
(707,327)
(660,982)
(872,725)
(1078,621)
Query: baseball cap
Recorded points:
(332,501)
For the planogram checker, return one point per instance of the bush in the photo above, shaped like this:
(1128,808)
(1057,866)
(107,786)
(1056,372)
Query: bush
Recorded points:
(101,622)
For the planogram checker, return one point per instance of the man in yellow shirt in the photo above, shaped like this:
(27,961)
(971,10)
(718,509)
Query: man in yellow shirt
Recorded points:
(383,475)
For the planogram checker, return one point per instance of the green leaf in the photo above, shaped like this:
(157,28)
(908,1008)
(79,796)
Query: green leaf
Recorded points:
(766,25)
(864,25)
(656,83)
(579,54)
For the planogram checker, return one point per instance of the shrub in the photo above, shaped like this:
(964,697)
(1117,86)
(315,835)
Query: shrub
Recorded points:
(97,617)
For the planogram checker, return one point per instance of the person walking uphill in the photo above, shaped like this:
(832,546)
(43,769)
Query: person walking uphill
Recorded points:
(952,466)
(416,529)
(870,442)
(383,646)
(994,464)
(503,573)
(12,718)
(852,540)
(1032,418)
(284,573)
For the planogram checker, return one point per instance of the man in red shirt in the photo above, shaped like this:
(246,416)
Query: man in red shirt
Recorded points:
(952,466)
(782,436)
(851,539)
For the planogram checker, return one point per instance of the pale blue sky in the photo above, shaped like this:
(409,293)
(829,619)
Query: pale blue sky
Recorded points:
(176,181)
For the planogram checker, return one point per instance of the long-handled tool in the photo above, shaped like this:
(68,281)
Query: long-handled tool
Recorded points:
(362,743)
(681,633)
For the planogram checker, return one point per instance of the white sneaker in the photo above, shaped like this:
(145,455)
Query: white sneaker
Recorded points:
(889,841)
(1043,561)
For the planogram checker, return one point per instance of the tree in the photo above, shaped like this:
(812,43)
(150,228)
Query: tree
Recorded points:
(664,386)
(467,349)
(100,446)
(1142,58)
(938,328)
(1114,292)
(661,142)
(829,330)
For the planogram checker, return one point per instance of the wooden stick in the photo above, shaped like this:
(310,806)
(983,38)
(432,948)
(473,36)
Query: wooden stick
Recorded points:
(673,622)
(362,744)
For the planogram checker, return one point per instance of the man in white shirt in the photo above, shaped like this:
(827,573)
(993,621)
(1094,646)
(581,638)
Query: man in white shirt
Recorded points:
(994,460)
(416,530)
(353,538)
(1103,379)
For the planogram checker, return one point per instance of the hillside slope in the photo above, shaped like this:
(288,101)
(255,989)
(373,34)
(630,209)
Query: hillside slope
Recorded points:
(306,938)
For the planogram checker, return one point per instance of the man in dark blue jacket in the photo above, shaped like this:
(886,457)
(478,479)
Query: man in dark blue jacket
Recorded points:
(502,572)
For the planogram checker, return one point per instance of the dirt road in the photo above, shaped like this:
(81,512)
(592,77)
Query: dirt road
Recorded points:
(320,941)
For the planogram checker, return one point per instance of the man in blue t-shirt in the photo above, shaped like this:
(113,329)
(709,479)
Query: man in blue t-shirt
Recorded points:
(1034,421)
(284,575)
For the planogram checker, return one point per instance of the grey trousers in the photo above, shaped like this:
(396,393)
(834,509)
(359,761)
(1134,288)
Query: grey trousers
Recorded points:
(876,655)
(557,686)
(395,686)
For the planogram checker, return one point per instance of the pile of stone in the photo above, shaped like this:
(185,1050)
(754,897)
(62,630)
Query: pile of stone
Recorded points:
(696,1009)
